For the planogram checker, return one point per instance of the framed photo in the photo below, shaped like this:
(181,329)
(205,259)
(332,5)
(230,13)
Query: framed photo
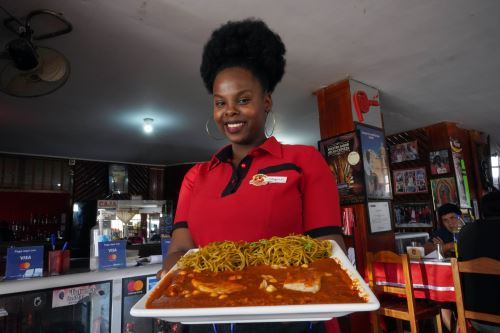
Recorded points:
(343,157)
(118,178)
(460,174)
(440,162)
(375,163)
(402,152)
(410,181)
(379,214)
(365,104)
(444,190)
(413,215)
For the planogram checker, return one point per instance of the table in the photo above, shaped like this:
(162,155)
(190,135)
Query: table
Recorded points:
(432,279)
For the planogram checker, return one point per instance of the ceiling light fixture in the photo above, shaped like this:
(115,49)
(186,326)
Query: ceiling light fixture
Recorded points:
(148,125)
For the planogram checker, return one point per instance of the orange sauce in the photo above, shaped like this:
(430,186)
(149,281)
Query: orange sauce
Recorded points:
(176,290)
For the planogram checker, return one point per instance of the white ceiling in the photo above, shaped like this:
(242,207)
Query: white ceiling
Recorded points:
(432,61)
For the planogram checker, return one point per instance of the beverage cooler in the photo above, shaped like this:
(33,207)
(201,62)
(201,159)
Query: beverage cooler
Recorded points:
(404,239)
(83,308)
(90,302)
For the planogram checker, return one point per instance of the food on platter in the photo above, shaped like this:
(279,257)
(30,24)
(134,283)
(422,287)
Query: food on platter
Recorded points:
(293,250)
(278,271)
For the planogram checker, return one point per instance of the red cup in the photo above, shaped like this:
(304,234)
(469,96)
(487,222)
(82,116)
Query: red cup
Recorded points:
(58,262)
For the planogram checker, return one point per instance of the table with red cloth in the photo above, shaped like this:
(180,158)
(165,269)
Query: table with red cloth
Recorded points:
(432,279)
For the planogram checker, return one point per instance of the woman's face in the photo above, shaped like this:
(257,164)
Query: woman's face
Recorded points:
(240,106)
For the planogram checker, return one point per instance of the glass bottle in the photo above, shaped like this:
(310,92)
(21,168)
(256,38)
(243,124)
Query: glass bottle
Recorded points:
(101,232)
(439,251)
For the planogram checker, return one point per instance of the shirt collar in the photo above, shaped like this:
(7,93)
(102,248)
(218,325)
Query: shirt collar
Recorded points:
(271,146)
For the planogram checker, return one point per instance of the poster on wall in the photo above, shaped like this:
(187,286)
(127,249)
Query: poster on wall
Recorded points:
(409,181)
(344,160)
(440,162)
(365,104)
(380,216)
(444,190)
(375,163)
(413,215)
(402,152)
(118,178)
(460,174)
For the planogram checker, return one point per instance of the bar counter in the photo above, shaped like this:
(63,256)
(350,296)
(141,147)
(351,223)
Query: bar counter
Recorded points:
(97,302)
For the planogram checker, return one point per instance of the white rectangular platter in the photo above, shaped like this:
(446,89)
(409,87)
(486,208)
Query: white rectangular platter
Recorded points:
(249,314)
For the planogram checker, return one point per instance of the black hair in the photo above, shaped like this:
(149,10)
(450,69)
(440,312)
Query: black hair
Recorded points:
(249,44)
(490,205)
(448,208)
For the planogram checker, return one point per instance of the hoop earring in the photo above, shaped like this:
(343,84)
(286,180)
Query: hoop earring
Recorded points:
(274,125)
(208,131)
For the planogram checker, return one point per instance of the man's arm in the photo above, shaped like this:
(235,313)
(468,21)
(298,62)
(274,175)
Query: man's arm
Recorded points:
(431,245)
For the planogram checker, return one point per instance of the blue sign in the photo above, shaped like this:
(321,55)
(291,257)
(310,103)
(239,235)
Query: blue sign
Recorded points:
(24,262)
(165,243)
(112,254)
(151,282)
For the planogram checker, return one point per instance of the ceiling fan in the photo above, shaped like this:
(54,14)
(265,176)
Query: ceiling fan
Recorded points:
(27,69)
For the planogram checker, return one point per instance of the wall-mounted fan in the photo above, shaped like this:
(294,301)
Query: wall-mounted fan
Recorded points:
(29,70)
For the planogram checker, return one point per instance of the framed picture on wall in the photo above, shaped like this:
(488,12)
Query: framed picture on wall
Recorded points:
(342,153)
(379,214)
(444,190)
(440,162)
(375,163)
(118,178)
(402,152)
(410,181)
(413,215)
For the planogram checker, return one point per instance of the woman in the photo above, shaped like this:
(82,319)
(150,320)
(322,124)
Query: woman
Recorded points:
(255,187)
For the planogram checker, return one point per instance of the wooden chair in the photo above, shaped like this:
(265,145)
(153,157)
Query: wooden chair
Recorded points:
(396,306)
(481,265)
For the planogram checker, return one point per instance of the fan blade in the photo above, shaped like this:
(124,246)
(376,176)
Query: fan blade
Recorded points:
(51,74)
(52,65)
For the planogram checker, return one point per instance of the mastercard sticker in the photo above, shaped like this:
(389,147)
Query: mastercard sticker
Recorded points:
(134,286)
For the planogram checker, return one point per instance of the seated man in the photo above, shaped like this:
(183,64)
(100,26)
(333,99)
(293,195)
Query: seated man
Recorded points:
(450,217)
(480,239)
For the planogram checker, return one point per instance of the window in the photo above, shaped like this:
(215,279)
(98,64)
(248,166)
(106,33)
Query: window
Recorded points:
(495,168)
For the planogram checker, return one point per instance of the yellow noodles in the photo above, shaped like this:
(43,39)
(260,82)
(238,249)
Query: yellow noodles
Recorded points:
(294,250)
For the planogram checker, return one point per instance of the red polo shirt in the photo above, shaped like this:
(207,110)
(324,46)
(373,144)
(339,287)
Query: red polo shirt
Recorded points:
(298,195)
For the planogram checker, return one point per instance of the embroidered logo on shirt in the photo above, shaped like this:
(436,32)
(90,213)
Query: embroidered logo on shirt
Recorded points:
(261,179)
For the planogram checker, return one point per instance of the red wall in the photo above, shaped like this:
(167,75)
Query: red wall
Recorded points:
(22,206)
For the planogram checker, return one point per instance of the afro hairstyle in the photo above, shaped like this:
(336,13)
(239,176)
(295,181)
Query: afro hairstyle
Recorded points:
(249,44)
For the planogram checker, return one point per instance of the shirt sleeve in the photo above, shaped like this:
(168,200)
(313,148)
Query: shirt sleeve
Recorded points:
(185,194)
(320,198)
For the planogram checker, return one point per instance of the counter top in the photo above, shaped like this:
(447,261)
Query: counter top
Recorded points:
(15,286)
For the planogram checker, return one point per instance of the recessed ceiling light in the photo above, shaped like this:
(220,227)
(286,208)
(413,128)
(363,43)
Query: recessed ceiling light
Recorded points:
(148,125)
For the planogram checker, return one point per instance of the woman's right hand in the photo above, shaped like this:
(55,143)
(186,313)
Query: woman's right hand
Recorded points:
(180,243)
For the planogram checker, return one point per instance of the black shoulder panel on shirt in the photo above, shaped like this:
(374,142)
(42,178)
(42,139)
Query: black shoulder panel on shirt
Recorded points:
(281,167)
(237,177)
(180,224)
(323,231)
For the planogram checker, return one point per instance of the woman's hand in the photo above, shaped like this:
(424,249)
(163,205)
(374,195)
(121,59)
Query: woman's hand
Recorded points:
(336,237)
(180,243)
